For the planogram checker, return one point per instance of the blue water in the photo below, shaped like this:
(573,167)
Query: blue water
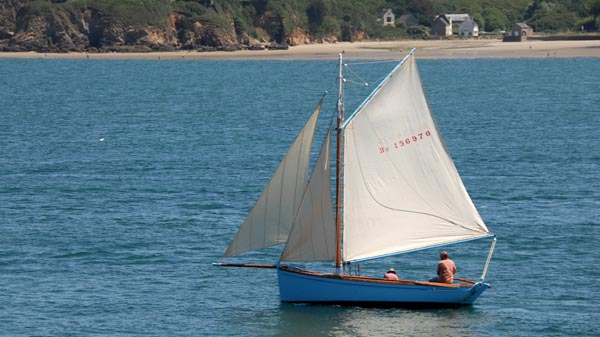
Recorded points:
(121,181)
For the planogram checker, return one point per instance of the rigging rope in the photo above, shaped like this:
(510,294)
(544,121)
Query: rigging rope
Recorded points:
(373,62)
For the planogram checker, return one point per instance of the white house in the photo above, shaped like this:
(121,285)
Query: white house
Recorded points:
(468,28)
(388,17)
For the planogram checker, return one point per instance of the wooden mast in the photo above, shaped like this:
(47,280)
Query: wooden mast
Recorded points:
(338,169)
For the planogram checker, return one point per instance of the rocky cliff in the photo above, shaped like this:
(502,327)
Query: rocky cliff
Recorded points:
(104,26)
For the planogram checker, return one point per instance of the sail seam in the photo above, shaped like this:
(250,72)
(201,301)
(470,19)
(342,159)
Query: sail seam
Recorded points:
(398,209)
(414,190)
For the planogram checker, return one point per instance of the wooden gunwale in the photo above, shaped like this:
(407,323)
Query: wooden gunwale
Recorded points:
(467,283)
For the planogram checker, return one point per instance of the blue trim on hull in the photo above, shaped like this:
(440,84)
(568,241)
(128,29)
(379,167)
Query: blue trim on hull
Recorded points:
(404,305)
(300,287)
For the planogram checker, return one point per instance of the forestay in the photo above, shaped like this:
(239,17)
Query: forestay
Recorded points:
(401,189)
(271,218)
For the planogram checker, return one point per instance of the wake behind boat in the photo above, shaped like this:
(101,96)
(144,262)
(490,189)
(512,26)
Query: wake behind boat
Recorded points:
(397,191)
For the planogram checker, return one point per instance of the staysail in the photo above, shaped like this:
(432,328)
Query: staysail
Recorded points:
(401,189)
(312,237)
(271,218)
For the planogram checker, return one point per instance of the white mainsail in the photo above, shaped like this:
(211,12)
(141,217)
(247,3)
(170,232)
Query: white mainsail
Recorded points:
(312,237)
(401,188)
(271,218)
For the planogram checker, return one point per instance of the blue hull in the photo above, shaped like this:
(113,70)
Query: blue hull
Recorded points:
(297,286)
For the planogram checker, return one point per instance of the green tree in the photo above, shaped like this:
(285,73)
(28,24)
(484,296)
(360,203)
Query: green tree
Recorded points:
(477,17)
(422,10)
(549,16)
(316,12)
(495,19)
(595,12)
(331,26)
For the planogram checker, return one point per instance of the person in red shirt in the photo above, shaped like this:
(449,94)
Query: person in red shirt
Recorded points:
(391,275)
(445,269)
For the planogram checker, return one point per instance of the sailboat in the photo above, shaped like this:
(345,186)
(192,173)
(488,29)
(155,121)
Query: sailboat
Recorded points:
(397,190)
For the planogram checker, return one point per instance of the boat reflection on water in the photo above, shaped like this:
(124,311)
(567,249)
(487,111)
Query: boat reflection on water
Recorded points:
(357,321)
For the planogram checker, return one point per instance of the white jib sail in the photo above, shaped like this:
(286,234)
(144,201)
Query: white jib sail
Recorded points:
(271,218)
(312,237)
(401,188)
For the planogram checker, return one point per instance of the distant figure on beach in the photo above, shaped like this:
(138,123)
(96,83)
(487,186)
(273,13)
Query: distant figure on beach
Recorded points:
(391,275)
(445,269)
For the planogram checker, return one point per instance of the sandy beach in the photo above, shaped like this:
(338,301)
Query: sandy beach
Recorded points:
(441,49)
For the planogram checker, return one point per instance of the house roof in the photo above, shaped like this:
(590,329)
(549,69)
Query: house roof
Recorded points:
(468,24)
(442,18)
(522,25)
(386,11)
(457,18)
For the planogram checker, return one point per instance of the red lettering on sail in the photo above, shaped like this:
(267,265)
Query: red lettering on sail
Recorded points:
(408,141)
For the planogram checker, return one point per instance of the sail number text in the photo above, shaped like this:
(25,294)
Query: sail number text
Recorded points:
(406,142)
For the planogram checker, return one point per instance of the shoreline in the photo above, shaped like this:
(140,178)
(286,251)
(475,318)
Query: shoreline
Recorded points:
(374,50)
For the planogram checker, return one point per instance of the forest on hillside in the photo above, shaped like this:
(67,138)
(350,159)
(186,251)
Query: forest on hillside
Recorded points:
(64,25)
(342,17)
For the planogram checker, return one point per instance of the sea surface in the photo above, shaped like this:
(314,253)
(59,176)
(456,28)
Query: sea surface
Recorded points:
(121,181)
